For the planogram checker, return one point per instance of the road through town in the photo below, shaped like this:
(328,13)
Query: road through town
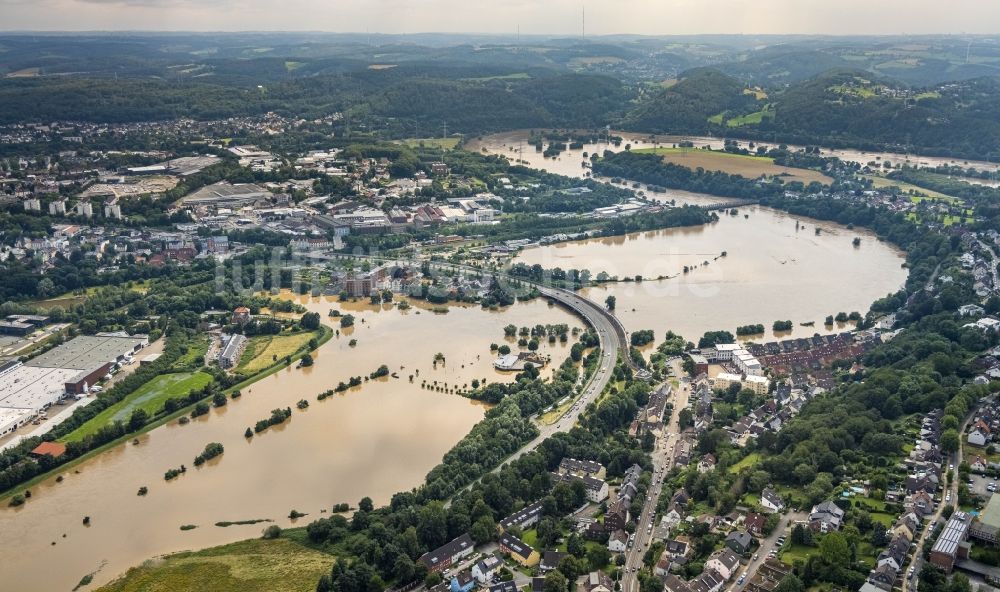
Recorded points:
(663,460)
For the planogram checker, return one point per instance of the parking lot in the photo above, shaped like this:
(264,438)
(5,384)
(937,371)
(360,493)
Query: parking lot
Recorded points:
(979,485)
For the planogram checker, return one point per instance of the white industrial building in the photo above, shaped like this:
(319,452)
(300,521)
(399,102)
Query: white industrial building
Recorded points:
(11,419)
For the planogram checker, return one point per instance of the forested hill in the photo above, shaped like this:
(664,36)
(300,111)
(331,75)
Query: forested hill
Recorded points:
(468,106)
(688,105)
(836,108)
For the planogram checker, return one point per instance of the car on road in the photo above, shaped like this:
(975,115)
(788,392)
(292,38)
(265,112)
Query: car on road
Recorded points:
(742,578)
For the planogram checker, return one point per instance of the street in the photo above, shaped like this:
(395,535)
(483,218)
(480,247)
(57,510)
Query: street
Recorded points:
(663,461)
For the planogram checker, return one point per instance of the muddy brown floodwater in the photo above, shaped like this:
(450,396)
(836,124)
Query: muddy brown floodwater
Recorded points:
(373,441)
(771,272)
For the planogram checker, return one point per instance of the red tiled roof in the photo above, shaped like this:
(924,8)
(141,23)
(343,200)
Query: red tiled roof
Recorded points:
(53,449)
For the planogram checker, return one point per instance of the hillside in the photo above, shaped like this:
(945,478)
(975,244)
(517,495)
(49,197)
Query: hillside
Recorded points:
(687,106)
(836,108)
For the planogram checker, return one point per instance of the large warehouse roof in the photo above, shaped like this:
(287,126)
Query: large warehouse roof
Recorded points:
(87,352)
(29,387)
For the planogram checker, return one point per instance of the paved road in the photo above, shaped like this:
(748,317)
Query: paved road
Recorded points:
(610,344)
(663,460)
(784,528)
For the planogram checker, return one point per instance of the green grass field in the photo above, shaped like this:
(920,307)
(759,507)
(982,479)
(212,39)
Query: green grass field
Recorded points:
(791,553)
(751,118)
(749,460)
(438,143)
(149,396)
(254,565)
(263,351)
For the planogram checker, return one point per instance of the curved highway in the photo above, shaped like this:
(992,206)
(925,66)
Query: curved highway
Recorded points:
(609,330)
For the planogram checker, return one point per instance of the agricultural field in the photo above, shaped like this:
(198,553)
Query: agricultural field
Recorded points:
(255,565)
(264,350)
(735,164)
(149,396)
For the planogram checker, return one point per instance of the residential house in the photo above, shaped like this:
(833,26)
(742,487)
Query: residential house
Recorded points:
(675,555)
(596,489)
(908,526)
(618,541)
(463,581)
(707,463)
(241,315)
(630,483)
(979,435)
(597,581)
(617,515)
(883,577)
(768,576)
(551,560)
(755,524)
(523,518)
(486,569)
(580,468)
(771,501)
(518,550)
(448,554)
(920,503)
(739,542)
(595,531)
(924,481)
(895,553)
(509,586)
(826,517)
(723,561)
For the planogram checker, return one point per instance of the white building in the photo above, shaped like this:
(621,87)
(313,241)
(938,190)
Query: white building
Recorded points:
(724,351)
(725,562)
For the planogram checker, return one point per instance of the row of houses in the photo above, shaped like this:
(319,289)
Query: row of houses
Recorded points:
(719,569)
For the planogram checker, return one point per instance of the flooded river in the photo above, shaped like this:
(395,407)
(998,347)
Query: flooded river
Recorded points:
(568,163)
(384,436)
(772,270)
(374,441)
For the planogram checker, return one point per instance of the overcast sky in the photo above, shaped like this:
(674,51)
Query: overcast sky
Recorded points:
(649,17)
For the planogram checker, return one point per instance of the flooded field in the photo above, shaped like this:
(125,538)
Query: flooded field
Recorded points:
(569,163)
(374,440)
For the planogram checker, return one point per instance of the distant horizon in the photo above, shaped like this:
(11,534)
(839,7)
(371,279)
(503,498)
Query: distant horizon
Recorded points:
(531,17)
(430,33)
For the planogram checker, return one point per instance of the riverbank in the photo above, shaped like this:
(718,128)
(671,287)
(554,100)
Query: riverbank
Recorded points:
(327,334)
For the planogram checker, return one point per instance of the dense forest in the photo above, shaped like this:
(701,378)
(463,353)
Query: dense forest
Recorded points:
(836,108)
(803,92)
